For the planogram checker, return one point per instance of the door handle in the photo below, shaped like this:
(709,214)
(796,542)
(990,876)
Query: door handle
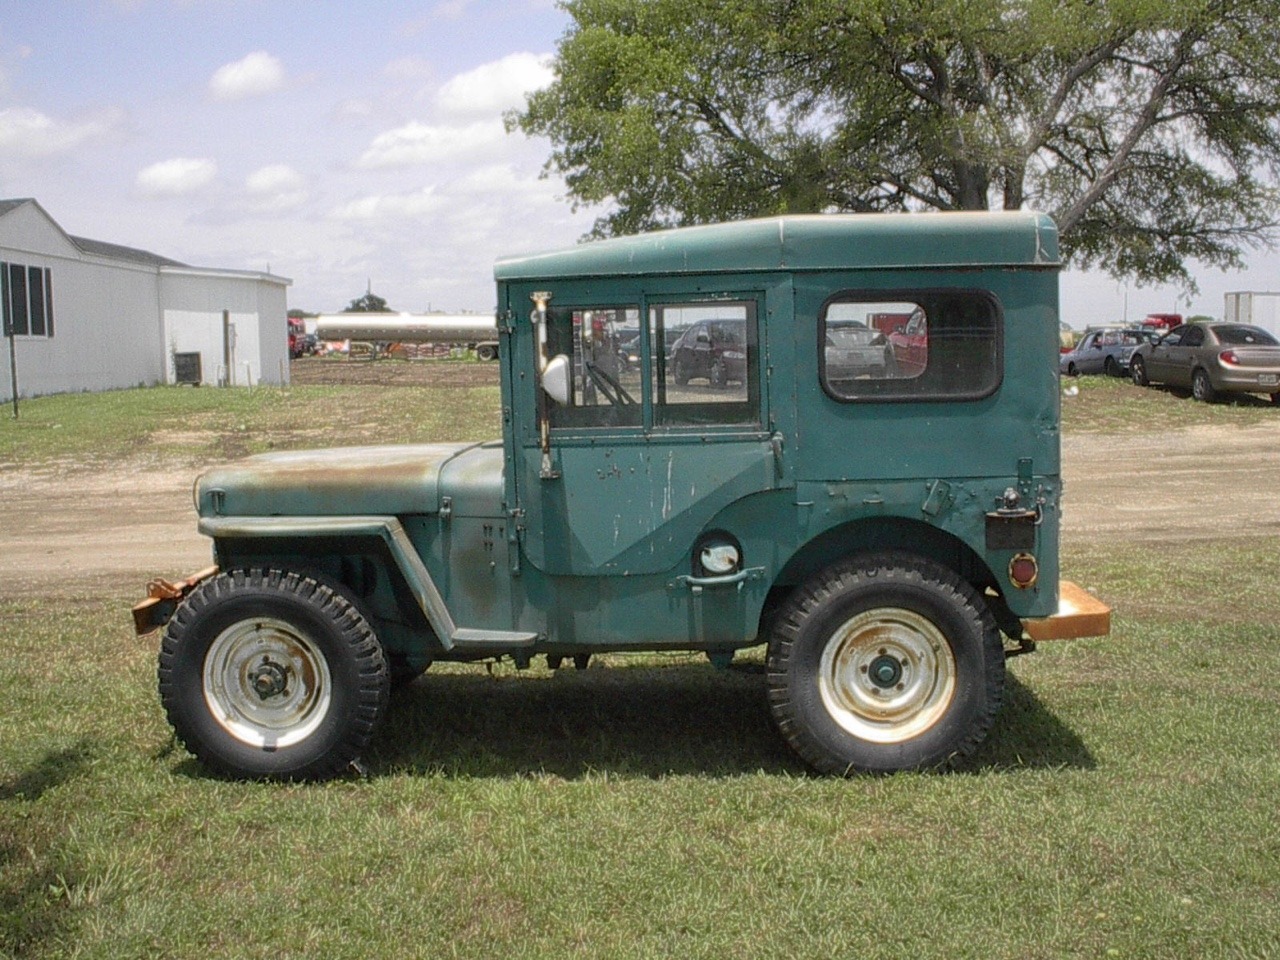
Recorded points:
(696,584)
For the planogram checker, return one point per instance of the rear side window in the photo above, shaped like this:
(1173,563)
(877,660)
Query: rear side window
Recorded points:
(922,345)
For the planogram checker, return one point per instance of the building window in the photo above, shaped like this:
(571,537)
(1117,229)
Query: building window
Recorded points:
(26,299)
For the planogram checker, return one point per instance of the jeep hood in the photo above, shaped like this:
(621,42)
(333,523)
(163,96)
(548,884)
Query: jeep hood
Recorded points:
(356,481)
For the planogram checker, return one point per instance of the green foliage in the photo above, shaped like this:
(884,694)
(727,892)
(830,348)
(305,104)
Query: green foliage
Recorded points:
(1148,129)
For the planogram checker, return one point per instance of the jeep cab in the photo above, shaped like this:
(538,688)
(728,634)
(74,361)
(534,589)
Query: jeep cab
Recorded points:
(729,478)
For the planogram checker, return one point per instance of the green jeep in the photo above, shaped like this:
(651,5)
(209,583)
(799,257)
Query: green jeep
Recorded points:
(837,435)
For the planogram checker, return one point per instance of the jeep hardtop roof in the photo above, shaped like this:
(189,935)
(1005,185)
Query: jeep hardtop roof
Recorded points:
(800,243)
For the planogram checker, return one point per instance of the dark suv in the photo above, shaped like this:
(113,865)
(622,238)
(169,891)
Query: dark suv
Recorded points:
(714,350)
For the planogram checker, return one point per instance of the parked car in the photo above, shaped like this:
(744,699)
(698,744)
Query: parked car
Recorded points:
(911,345)
(1104,350)
(855,350)
(1211,358)
(713,350)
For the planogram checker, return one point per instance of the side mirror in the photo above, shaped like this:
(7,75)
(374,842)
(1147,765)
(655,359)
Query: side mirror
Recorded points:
(555,379)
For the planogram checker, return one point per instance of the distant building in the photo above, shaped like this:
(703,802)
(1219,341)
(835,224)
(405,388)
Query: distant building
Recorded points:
(87,315)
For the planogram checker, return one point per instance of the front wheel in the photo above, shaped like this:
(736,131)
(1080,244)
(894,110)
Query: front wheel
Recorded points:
(272,675)
(884,663)
(1138,371)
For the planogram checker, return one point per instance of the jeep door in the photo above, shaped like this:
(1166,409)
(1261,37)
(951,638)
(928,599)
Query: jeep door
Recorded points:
(640,459)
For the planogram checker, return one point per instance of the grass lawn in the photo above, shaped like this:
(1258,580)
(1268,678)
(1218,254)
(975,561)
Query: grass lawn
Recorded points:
(1125,805)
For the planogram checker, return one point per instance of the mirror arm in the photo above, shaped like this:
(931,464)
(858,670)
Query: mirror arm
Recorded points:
(539,317)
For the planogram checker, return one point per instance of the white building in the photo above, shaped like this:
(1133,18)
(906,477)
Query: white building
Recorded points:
(85,315)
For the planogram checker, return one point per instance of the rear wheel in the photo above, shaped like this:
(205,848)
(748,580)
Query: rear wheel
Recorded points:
(272,675)
(1073,370)
(1111,368)
(884,663)
(717,376)
(1201,387)
(1138,371)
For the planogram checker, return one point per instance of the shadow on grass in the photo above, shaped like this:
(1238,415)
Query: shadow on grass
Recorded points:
(645,722)
(1027,735)
(53,769)
(32,859)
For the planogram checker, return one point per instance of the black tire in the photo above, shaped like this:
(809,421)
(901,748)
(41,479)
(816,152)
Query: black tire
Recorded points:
(864,630)
(1073,370)
(486,352)
(272,675)
(1275,399)
(1111,368)
(1138,372)
(1201,387)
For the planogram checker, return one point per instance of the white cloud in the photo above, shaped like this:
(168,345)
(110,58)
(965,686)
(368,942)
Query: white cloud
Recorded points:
(29,133)
(424,143)
(177,176)
(392,206)
(490,89)
(276,188)
(254,75)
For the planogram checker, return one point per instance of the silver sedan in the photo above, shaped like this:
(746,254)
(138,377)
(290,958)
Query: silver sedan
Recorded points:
(1211,359)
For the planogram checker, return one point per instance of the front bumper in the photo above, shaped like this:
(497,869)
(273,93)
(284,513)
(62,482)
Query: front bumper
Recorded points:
(163,597)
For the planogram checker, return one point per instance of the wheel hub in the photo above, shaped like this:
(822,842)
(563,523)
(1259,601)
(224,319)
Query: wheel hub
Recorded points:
(887,675)
(270,679)
(267,683)
(885,671)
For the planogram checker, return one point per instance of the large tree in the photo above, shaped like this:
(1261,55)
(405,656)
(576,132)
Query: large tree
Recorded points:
(1147,128)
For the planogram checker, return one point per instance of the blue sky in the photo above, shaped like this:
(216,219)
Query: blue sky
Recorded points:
(336,143)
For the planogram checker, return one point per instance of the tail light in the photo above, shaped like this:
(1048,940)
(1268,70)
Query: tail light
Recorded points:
(1024,571)
(1229,358)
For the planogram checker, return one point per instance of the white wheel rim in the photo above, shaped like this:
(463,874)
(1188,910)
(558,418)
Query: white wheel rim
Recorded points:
(266,683)
(887,675)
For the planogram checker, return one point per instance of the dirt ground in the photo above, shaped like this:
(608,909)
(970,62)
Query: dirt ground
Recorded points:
(391,373)
(68,532)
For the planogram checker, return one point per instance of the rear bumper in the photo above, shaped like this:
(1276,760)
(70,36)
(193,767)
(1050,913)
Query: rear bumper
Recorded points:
(1080,614)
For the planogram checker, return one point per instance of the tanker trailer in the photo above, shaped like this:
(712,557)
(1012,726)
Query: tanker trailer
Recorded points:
(475,330)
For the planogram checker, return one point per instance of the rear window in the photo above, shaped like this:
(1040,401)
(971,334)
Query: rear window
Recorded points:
(1240,335)
(921,345)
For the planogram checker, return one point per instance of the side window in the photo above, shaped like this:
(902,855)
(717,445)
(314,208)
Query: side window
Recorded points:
(927,345)
(1193,337)
(603,345)
(1174,337)
(704,363)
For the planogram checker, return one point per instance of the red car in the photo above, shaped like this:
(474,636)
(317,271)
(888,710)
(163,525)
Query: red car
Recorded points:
(911,345)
